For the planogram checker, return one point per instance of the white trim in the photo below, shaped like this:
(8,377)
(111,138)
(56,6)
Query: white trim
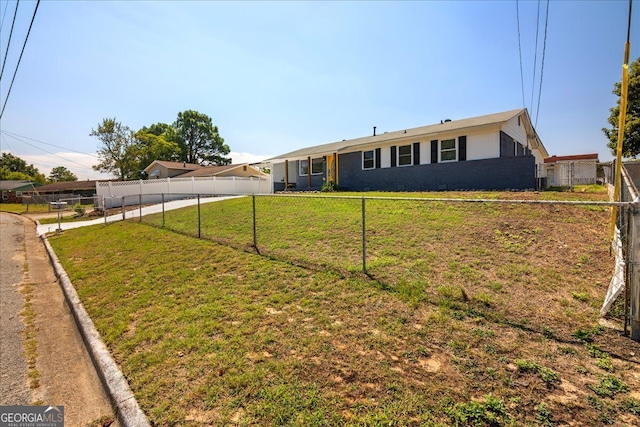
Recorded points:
(321,166)
(398,155)
(373,159)
(300,173)
(454,150)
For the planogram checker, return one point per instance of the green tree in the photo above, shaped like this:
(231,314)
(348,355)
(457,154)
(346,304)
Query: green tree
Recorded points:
(118,153)
(15,168)
(60,173)
(631,143)
(199,139)
(157,142)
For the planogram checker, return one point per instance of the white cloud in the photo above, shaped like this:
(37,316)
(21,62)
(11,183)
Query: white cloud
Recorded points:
(239,157)
(79,164)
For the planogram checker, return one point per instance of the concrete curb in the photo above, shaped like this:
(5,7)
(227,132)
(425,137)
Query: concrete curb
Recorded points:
(127,410)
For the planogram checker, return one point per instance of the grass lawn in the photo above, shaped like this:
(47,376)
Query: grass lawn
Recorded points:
(472,314)
(20,208)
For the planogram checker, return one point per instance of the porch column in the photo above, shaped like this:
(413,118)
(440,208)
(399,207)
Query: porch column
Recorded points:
(308,172)
(286,174)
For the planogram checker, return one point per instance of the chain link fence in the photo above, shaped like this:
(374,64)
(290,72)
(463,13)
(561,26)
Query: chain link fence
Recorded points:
(487,248)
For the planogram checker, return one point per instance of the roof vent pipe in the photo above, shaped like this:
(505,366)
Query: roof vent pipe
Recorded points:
(374,131)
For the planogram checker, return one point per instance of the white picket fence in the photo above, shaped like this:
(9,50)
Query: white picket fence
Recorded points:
(157,190)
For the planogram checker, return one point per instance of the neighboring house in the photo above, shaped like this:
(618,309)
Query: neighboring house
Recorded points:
(64,189)
(14,190)
(200,180)
(163,169)
(493,152)
(567,171)
(243,170)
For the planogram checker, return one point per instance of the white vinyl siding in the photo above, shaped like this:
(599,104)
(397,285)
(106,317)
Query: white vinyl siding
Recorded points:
(518,133)
(385,157)
(483,146)
(425,153)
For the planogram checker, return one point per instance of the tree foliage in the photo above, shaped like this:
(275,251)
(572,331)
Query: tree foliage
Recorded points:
(15,168)
(199,139)
(60,173)
(156,142)
(631,142)
(191,138)
(117,153)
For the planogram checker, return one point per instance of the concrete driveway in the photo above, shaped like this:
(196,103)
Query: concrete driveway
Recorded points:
(134,213)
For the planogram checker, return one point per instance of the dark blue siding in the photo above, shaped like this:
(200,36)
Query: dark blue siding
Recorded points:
(506,145)
(516,173)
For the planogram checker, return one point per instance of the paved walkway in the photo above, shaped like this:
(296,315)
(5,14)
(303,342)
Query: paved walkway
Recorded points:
(135,213)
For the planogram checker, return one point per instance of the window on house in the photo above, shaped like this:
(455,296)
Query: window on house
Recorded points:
(18,193)
(448,150)
(316,166)
(304,167)
(405,155)
(5,196)
(368,159)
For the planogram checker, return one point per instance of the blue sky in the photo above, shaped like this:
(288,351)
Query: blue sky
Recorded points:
(278,76)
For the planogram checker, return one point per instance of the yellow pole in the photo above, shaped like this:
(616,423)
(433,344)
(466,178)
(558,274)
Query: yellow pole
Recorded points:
(624,91)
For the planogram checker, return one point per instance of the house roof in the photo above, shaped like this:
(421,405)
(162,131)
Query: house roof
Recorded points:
(17,185)
(67,186)
(213,170)
(554,159)
(453,125)
(173,165)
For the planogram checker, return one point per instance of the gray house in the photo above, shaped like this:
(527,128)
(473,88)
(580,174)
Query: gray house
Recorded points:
(493,152)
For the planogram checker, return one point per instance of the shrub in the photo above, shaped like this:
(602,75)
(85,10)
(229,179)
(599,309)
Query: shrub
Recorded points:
(79,209)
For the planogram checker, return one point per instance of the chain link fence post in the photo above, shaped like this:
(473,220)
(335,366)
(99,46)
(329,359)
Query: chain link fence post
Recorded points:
(364,238)
(634,276)
(255,237)
(162,210)
(123,210)
(199,227)
(140,204)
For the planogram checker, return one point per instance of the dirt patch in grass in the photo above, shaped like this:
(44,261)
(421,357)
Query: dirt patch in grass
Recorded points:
(473,314)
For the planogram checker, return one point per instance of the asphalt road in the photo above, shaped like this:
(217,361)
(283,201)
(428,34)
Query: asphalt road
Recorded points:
(14,388)
(67,374)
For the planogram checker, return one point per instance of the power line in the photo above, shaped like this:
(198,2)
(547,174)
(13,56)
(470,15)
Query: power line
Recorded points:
(520,52)
(19,59)
(629,23)
(6,142)
(535,57)
(49,152)
(4,13)
(544,48)
(14,135)
(6,53)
